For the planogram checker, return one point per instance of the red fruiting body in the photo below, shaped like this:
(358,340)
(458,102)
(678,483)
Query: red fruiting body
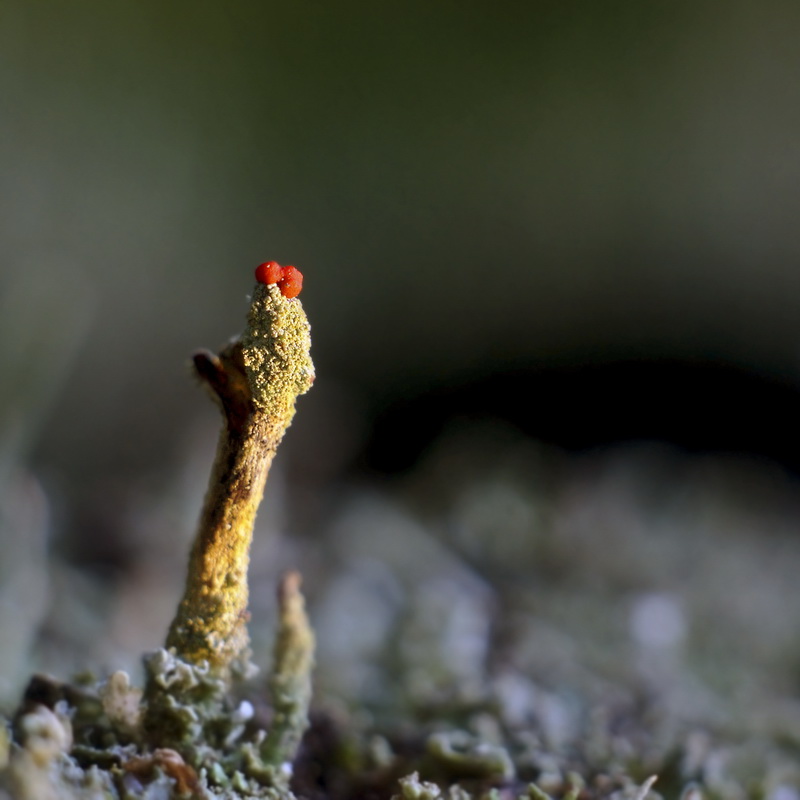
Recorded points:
(289,279)
(269,272)
(291,283)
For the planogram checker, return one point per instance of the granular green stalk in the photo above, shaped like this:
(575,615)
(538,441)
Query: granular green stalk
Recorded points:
(290,680)
(256,379)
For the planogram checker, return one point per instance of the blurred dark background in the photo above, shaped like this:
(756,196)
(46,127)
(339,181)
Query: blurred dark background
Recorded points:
(577,217)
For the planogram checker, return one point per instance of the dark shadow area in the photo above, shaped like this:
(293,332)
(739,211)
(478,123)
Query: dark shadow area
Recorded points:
(695,406)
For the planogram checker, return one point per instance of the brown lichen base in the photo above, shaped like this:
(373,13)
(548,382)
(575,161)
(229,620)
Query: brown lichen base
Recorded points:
(256,380)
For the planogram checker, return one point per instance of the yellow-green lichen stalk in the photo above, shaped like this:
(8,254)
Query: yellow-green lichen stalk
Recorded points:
(290,680)
(256,380)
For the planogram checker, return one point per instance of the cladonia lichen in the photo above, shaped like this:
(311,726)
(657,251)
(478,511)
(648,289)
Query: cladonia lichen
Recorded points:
(256,380)
(290,681)
(190,732)
(276,352)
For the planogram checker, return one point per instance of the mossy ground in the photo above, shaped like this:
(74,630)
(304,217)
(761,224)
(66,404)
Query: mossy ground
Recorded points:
(504,624)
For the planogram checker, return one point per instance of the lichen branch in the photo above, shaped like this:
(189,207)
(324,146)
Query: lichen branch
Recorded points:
(290,680)
(256,381)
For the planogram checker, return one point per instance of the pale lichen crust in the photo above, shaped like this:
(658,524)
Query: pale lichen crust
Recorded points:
(276,349)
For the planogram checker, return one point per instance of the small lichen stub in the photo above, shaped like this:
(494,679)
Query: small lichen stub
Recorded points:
(276,350)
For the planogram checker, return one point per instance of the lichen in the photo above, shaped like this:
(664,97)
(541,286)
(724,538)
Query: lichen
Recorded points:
(412,788)
(256,380)
(197,739)
(276,351)
(290,681)
(464,756)
(189,733)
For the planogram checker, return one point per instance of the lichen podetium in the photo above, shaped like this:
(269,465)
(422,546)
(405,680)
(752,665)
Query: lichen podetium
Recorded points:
(256,379)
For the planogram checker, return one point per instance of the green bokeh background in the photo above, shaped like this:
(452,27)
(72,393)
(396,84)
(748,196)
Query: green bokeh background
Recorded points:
(464,185)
